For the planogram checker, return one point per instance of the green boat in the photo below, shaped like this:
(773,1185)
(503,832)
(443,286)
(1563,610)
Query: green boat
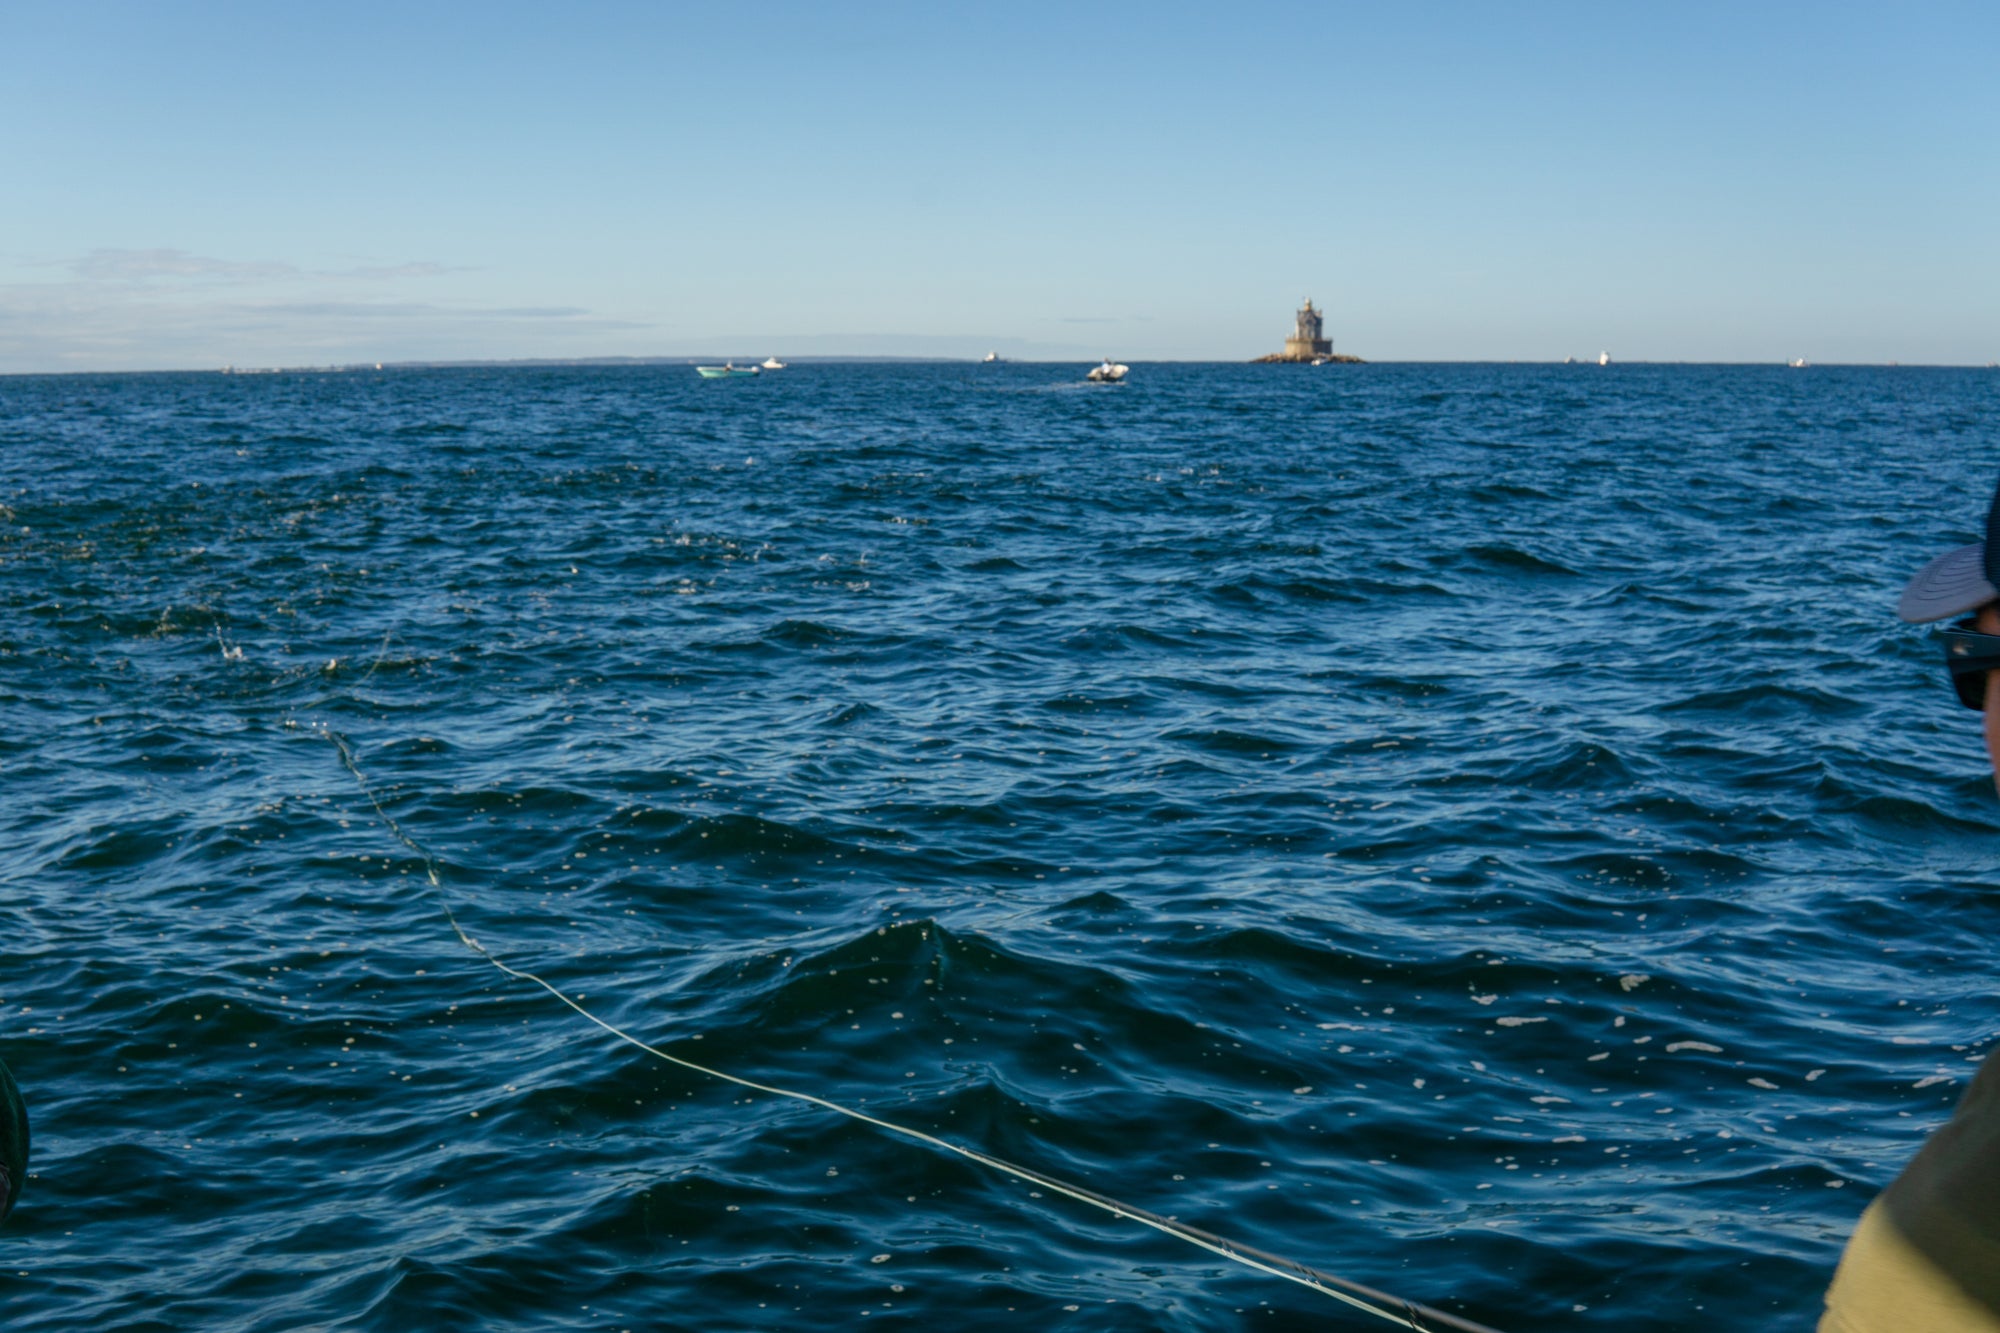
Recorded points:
(728,370)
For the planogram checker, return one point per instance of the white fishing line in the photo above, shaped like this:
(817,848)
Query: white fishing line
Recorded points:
(1407,1314)
(380,655)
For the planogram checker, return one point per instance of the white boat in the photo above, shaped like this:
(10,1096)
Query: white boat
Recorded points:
(771,363)
(1797,363)
(991,358)
(727,370)
(1108,373)
(1604,358)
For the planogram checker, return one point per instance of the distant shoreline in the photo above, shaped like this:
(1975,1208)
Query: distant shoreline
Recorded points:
(615,362)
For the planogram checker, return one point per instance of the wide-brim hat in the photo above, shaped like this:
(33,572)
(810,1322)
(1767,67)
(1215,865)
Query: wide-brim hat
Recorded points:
(1960,580)
(13,1142)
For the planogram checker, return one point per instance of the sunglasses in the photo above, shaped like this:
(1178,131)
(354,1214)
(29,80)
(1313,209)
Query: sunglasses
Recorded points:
(1970,655)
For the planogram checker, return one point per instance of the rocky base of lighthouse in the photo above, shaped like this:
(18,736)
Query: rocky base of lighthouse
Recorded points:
(1307,358)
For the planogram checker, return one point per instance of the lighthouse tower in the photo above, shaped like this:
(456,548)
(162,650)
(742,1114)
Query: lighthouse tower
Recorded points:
(1306,342)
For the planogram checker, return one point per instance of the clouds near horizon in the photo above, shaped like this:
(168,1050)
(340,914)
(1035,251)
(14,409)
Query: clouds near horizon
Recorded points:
(139,265)
(160,307)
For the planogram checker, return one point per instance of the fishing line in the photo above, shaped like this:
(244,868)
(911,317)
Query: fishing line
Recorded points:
(1381,1304)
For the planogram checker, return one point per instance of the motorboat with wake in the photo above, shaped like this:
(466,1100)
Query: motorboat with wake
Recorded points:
(1108,373)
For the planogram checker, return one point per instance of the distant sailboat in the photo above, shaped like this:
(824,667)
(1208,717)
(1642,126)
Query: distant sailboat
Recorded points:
(1604,358)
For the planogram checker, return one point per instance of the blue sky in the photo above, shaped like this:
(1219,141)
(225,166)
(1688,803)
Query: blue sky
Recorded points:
(194,185)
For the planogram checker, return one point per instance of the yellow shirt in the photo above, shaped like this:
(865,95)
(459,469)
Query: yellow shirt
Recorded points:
(1925,1257)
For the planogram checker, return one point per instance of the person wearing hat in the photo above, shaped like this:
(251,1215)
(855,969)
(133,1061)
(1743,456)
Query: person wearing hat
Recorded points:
(13,1142)
(1925,1255)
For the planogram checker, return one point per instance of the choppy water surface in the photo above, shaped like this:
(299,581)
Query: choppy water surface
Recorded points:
(1478,830)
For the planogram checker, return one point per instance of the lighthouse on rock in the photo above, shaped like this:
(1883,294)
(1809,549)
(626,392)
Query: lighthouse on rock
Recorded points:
(1309,344)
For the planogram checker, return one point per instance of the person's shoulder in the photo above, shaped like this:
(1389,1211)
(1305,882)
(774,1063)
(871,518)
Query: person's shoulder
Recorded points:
(13,1141)
(1947,1201)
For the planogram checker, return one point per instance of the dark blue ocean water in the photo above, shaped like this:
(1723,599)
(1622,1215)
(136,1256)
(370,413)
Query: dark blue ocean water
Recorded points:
(1475,829)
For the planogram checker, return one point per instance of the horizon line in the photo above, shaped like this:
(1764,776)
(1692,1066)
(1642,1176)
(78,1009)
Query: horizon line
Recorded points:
(499,363)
